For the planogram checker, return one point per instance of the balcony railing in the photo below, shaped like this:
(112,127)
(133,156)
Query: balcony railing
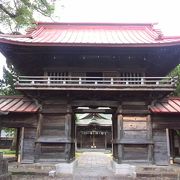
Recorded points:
(96,83)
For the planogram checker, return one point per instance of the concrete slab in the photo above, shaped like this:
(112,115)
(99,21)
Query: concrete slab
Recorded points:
(65,168)
(124,169)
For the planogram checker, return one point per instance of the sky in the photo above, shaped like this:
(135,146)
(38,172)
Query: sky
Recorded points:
(164,12)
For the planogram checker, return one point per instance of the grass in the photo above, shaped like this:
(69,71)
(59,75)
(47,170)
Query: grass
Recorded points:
(78,154)
(7,151)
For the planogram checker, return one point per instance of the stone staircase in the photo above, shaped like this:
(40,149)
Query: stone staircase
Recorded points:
(94,166)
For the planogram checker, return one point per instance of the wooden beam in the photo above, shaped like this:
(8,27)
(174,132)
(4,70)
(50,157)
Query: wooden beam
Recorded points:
(84,103)
(94,88)
(105,111)
(18,120)
(135,112)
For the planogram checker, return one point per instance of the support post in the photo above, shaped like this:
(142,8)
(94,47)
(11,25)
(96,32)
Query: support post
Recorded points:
(150,137)
(105,141)
(22,144)
(17,143)
(171,138)
(81,141)
(38,133)
(117,135)
(168,144)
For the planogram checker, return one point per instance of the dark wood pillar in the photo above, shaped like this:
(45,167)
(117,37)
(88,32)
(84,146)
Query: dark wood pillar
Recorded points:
(132,133)
(150,139)
(70,134)
(55,134)
(105,141)
(17,142)
(38,133)
(117,135)
(171,138)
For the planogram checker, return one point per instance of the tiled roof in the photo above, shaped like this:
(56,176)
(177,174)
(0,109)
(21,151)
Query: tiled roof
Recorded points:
(92,34)
(17,104)
(94,118)
(25,105)
(170,105)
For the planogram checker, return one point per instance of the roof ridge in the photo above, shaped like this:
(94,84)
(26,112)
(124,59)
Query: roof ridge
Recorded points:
(94,23)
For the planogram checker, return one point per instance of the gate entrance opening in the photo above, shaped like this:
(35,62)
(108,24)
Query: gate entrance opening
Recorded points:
(93,130)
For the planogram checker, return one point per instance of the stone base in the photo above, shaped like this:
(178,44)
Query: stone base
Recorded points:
(65,168)
(6,176)
(124,169)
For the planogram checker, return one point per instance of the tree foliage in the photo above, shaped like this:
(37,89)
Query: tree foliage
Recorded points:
(176,73)
(20,13)
(7,83)
(10,132)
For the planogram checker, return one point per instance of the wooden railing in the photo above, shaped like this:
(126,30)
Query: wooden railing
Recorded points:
(63,82)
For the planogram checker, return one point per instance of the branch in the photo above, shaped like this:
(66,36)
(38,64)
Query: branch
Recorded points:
(15,4)
(39,8)
(11,15)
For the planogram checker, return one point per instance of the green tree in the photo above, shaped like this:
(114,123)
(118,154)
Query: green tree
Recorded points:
(18,14)
(8,88)
(176,73)
(7,83)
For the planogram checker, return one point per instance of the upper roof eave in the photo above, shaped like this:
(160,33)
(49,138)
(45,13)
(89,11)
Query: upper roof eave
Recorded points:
(92,35)
(105,45)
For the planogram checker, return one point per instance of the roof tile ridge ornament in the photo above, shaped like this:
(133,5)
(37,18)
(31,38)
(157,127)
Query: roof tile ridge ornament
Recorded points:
(160,35)
(36,32)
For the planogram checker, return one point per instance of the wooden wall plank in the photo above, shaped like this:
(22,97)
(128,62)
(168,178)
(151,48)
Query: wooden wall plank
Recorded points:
(160,147)
(28,147)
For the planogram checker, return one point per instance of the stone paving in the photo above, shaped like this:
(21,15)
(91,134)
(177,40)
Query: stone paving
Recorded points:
(94,166)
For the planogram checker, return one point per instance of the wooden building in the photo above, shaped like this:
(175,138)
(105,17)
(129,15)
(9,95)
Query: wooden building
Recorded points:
(93,131)
(123,68)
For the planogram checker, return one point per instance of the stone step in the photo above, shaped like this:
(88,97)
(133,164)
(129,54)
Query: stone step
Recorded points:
(31,167)
(173,176)
(158,169)
(93,172)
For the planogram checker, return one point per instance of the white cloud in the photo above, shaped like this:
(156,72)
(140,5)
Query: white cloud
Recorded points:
(166,13)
